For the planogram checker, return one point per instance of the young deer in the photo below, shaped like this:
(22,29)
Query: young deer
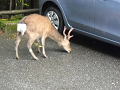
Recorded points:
(35,27)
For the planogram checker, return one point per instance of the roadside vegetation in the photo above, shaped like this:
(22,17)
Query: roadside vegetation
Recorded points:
(8,21)
(6,25)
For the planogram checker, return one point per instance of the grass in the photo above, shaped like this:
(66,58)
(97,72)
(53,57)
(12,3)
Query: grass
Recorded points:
(10,26)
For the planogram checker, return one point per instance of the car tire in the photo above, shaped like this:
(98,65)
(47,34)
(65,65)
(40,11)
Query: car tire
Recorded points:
(55,17)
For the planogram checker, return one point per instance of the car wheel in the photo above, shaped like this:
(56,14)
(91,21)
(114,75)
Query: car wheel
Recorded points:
(55,17)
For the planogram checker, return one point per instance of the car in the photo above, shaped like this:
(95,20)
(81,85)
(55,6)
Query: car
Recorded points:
(99,19)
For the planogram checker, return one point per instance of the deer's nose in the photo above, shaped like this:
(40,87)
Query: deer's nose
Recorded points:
(69,51)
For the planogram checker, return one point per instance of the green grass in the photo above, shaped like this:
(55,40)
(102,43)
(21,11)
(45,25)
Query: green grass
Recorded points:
(5,23)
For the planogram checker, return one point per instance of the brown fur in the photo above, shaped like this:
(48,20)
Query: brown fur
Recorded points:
(40,27)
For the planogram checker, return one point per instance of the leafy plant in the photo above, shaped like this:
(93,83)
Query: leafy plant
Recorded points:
(25,4)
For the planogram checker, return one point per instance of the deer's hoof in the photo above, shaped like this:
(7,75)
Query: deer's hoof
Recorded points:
(38,52)
(36,59)
(17,57)
(45,56)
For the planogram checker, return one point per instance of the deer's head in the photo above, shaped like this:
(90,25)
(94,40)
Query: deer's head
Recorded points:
(65,43)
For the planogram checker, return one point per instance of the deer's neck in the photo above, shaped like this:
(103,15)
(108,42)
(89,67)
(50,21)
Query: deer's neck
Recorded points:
(55,35)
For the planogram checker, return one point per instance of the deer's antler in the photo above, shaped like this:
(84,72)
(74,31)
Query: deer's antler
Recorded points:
(65,36)
(69,33)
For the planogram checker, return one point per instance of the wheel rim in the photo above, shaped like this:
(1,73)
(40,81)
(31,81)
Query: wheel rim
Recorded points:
(53,18)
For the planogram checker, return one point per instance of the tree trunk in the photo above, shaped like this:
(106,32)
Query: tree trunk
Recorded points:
(10,8)
(16,5)
(22,4)
(32,3)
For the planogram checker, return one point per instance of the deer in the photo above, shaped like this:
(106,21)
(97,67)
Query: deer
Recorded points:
(36,27)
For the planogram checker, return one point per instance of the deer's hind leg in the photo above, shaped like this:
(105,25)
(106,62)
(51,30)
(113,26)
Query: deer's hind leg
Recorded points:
(19,37)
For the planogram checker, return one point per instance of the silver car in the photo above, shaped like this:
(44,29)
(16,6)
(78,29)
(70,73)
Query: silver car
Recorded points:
(99,19)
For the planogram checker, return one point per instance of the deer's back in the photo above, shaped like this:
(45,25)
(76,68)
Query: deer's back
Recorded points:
(38,24)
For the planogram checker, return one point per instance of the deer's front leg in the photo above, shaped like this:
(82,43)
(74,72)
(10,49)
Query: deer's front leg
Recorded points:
(43,46)
(29,44)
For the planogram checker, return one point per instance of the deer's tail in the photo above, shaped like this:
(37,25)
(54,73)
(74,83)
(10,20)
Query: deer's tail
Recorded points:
(21,26)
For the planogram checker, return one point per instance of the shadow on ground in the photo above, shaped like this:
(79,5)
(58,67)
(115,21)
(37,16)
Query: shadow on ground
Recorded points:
(96,45)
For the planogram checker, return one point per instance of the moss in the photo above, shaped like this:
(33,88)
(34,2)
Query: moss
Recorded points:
(10,26)
(2,25)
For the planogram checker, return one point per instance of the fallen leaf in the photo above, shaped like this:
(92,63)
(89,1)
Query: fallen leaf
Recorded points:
(36,44)
(0,32)
(40,46)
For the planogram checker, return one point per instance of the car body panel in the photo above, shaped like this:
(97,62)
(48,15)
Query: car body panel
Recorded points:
(99,19)
(79,14)
(107,19)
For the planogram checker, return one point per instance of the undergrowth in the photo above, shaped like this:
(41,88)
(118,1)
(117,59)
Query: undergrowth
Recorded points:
(6,25)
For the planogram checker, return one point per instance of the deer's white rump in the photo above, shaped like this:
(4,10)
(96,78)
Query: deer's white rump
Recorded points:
(21,28)
(35,27)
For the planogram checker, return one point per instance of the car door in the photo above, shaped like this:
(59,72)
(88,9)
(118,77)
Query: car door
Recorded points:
(107,19)
(79,13)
